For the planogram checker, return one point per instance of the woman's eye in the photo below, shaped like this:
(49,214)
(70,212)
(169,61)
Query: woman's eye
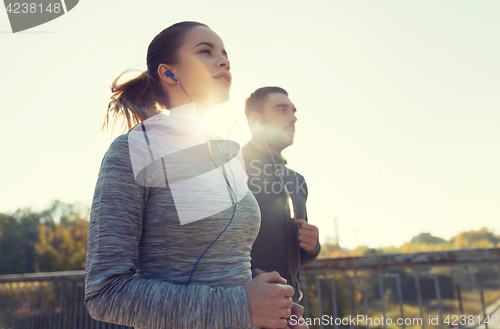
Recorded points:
(207,51)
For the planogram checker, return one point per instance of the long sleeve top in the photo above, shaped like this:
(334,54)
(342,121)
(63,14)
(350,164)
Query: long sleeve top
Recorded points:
(142,249)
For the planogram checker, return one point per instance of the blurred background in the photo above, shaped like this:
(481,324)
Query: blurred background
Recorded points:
(397,136)
(398,108)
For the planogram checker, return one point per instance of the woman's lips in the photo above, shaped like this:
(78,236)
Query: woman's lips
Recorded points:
(224,77)
(223,80)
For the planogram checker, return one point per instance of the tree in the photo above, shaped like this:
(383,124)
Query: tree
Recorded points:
(54,239)
(426,238)
(17,239)
(482,238)
(62,244)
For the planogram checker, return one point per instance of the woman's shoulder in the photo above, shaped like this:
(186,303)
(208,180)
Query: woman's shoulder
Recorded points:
(127,149)
(120,141)
(118,149)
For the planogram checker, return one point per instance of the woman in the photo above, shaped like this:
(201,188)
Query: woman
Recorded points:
(146,233)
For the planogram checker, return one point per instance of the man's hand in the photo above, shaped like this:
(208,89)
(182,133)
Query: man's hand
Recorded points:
(308,235)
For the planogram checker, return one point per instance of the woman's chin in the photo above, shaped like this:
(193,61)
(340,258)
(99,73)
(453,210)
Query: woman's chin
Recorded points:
(222,96)
(215,97)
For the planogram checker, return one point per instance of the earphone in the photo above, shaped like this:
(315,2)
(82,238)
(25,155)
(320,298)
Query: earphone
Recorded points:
(170,74)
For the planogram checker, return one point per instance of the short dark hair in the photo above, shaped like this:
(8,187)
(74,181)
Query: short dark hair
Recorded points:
(255,102)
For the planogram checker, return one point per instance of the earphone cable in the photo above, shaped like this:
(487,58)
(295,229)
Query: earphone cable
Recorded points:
(235,189)
(180,84)
(234,209)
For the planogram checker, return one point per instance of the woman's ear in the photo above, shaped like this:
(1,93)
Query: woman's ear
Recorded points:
(162,73)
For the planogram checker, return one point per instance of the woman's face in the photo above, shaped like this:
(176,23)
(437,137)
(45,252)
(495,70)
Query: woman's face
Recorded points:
(203,68)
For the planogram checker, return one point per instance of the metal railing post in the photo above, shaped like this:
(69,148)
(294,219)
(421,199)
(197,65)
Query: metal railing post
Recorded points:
(400,299)
(349,297)
(382,295)
(320,302)
(419,297)
(480,284)
(334,302)
(438,297)
(365,298)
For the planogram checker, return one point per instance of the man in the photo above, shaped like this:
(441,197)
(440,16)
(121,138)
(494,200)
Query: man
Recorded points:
(285,240)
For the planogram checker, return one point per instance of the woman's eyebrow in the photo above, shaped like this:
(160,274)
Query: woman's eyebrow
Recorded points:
(211,45)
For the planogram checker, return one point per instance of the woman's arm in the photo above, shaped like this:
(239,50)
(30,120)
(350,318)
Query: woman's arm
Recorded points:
(113,293)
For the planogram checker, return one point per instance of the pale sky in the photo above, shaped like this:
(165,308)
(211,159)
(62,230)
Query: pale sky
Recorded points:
(398,104)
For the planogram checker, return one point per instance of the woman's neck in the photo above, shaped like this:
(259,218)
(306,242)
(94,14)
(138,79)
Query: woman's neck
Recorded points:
(202,107)
(180,111)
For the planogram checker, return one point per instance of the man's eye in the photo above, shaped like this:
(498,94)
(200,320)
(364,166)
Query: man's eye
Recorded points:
(207,51)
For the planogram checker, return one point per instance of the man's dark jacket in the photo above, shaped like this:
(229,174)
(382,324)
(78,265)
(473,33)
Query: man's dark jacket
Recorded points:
(277,246)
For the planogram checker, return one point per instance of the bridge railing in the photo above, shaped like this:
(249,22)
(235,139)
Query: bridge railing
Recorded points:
(46,301)
(444,289)
(425,286)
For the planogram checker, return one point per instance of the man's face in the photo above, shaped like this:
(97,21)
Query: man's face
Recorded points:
(278,120)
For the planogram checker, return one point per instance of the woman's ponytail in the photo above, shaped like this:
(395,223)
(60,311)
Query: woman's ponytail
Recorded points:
(133,100)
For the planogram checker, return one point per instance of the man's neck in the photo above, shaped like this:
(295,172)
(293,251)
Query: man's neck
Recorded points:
(258,143)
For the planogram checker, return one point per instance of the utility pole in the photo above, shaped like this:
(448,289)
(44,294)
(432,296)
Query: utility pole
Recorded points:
(336,232)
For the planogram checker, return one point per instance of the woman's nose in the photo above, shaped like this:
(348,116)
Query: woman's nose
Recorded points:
(224,63)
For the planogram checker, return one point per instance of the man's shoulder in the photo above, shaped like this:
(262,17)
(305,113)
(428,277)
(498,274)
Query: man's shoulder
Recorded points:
(291,172)
(297,182)
(251,156)
(247,151)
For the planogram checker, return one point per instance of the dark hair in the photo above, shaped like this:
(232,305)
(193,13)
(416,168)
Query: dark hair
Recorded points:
(255,102)
(137,99)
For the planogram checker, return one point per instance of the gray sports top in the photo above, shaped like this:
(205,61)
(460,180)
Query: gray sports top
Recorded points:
(140,256)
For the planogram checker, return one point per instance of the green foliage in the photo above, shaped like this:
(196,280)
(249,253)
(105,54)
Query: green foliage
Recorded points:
(482,238)
(328,249)
(51,240)
(16,241)
(424,242)
(390,297)
(426,238)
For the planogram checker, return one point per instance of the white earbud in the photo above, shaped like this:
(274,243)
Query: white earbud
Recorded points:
(257,124)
